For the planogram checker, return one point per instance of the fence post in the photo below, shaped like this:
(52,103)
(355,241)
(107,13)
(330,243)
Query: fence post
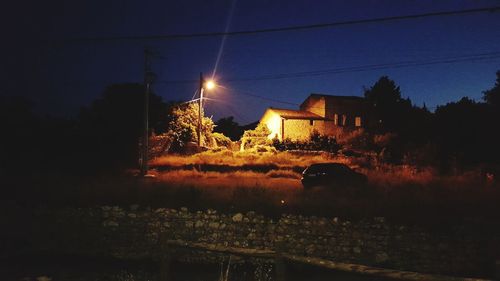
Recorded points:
(166,253)
(279,263)
(497,269)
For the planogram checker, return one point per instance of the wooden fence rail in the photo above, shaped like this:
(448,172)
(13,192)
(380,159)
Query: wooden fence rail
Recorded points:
(279,257)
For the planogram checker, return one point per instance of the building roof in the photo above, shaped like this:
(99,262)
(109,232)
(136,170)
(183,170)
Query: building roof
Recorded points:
(296,114)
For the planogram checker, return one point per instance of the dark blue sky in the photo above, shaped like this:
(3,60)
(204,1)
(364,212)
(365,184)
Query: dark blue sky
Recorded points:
(61,77)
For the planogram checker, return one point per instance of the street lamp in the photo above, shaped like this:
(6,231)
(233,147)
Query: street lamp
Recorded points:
(209,85)
(148,79)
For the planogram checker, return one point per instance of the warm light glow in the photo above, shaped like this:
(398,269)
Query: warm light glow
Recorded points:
(209,85)
(274,125)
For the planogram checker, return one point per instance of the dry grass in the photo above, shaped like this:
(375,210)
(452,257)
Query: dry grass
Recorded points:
(230,158)
(400,192)
(392,175)
(288,164)
(281,179)
(283,174)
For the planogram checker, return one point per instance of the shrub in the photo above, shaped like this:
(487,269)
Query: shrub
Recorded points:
(264,149)
(383,140)
(259,136)
(357,139)
(183,126)
(221,140)
(159,144)
(316,142)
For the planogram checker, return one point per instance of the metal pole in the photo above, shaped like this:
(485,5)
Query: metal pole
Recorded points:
(200,106)
(145,136)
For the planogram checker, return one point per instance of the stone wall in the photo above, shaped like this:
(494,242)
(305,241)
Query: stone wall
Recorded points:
(138,232)
(298,129)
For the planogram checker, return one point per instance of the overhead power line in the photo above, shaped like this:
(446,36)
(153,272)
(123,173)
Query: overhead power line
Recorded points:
(370,67)
(259,97)
(448,60)
(289,28)
(280,101)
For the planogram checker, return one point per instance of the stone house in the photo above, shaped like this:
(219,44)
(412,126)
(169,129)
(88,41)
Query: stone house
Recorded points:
(326,114)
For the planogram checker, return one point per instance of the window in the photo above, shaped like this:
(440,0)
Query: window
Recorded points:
(311,122)
(357,121)
(344,119)
(336,119)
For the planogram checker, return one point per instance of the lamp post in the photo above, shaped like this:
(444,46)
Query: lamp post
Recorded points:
(148,79)
(203,85)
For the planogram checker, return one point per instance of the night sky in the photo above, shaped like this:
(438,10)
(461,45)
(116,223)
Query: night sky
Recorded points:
(41,60)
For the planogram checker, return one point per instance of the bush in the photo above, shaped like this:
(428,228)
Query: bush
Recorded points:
(316,142)
(259,136)
(221,140)
(159,145)
(358,139)
(183,126)
(383,140)
(264,149)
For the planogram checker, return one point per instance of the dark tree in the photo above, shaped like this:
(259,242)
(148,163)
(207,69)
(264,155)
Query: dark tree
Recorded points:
(229,128)
(250,126)
(111,127)
(20,132)
(395,114)
(388,105)
(492,96)
(464,133)
(384,92)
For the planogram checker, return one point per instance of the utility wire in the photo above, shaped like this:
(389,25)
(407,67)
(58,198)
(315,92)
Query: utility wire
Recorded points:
(478,57)
(287,102)
(229,106)
(257,96)
(289,28)
(445,60)
(491,55)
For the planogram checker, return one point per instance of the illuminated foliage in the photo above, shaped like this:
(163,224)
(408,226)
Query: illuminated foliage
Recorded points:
(261,131)
(221,140)
(316,142)
(258,136)
(183,126)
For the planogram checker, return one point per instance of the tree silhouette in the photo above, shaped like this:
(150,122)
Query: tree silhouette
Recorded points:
(229,128)
(463,132)
(395,114)
(390,109)
(20,129)
(384,92)
(492,96)
(111,127)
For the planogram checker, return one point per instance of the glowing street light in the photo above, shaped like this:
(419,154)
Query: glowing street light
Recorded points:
(209,85)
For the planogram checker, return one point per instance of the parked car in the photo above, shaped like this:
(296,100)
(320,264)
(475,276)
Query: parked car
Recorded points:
(329,174)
